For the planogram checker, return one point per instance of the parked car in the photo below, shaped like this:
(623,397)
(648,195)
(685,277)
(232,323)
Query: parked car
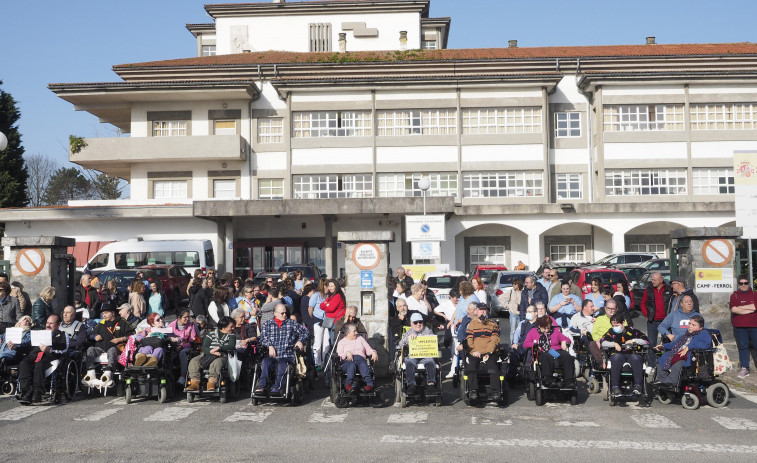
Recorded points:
(133,253)
(633,271)
(624,258)
(582,277)
(502,281)
(485,272)
(564,268)
(173,279)
(656,264)
(261,277)
(309,271)
(441,282)
(125,277)
(643,282)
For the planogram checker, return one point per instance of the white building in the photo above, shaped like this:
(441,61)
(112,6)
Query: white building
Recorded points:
(298,120)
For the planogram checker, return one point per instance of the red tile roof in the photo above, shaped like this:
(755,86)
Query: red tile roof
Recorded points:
(462,54)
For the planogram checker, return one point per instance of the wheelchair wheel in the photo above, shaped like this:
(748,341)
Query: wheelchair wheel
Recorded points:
(463,389)
(539,398)
(190,397)
(531,391)
(223,394)
(606,388)
(397,390)
(255,401)
(717,395)
(664,397)
(72,380)
(127,395)
(690,401)
(587,374)
(574,397)
(162,394)
(594,386)
(334,389)
(298,392)
(613,401)
(9,388)
(456,380)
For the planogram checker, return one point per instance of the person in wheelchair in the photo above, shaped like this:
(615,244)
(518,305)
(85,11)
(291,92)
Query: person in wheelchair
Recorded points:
(482,340)
(622,342)
(110,336)
(582,322)
(281,335)
(215,346)
(418,328)
(31,370)
(11,353)
(151,340)
(602,325)
(551,343)
(678,353)
(354,350)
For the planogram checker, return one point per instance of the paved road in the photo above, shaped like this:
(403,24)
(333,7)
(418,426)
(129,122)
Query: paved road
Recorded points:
(316,430)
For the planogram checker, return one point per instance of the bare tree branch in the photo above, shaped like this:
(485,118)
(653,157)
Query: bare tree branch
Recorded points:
(41,169)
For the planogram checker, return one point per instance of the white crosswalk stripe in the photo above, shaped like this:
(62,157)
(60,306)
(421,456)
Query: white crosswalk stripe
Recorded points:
(745,395)
(171,414)
(19,413)
(580,424)
(738,424)
(255,417)
(654,421)
(408,418)
(328,403)
(327,417)
(97,416)
(490,421)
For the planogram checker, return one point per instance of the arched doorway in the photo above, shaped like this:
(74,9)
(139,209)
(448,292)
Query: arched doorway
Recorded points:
(491,243)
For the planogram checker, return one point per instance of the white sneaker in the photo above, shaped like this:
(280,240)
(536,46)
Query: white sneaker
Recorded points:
(744,372)
(451,374)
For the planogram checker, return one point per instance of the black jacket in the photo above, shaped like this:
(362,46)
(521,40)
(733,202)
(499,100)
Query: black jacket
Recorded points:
(94,298)
(540,295)
(117,328)
(667,293)
(199,301)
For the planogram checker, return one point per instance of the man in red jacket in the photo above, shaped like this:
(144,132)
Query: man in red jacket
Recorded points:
(654,304)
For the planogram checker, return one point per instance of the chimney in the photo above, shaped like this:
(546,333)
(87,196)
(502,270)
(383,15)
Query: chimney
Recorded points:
(342,42)
(651,41)
(512,43)
(403,40)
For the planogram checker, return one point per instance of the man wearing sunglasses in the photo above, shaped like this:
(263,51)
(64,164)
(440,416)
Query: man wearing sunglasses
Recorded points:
(417,328)
(744,319)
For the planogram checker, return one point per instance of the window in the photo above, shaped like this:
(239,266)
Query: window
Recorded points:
(169,128)
(271,188)
(318,257)
(569,186)
(728,116)
(320,36)
(406,185)
(713,181)
(567,124)
(208,50)
(332,124)
(428,44)
(484,121)
(654,248)
(643,117)
(224,127)
(270,130)
(567,253)
(645,182)
(502,184)
(417,122)
(333,186)
(169,189)
(487,255)
(226,188)
(101,260)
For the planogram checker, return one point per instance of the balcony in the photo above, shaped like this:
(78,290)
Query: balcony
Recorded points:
(115,156)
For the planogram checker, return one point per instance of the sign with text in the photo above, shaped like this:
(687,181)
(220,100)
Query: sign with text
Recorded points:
(714,280)
(416,272)
(366,279)
(745,189)
(424,346)
(425,228)
(366,256)
(426,250)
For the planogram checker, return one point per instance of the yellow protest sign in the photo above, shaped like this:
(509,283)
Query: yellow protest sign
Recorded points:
(424,346)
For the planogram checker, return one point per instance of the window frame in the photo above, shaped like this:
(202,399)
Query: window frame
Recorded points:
(568,180)
(324,124)
(411,122)
(270,196)
(270,130)
(578,254)
(618,184)
(502,120)
(515,184)
(570,117)
(171,128)
(395,185)
(724,177)
(332,186)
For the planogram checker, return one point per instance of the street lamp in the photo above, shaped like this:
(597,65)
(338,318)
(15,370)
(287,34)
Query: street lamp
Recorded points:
(424,183)
(3,141)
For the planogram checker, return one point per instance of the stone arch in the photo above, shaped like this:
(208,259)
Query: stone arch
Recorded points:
(493,236)
(575,242)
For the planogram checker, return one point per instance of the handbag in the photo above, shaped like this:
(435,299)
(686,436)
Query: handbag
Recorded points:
(327,323)
(235,367)
(720,358)
(152,341)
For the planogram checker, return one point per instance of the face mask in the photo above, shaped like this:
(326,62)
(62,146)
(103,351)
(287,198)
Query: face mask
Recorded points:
(617,329)
(529,316)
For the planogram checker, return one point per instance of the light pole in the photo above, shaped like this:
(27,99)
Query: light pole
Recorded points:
(3,141)
(424,183)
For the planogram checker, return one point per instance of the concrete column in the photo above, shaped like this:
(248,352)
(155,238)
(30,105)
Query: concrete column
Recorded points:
(329,246)
(534,251)
(228,246)
(618,243)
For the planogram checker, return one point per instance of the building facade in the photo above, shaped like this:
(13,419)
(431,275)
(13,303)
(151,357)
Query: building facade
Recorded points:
(571,152)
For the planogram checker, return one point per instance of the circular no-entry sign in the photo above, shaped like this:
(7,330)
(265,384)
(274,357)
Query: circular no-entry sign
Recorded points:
(717,253)
(30,261)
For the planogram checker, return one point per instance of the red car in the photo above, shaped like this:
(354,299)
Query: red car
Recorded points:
(485,272)
(582,277)
(174,280)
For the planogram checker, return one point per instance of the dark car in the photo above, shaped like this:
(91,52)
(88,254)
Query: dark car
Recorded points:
(309,271)
(173,279)
(125,277)
(582,277)
(635,271)
(625,258)
(261,278)
(564,268)
(643,282)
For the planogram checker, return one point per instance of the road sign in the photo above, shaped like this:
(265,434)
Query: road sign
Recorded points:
(366,279)
(366,256)
(30,261)
(717,253)
(424,227)
(714,280)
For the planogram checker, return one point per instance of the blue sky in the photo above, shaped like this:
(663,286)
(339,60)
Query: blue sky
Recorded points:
(78,41)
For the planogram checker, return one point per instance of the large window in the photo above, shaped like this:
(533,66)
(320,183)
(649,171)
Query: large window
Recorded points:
(567,253)
(428,44)
(169,189)
(270,130)
(208,50)
(644,182)
(225,188)
(333,186)
(271,188)
(713,181)
(417,122)
(502,184)
(481,121)
(625,118)
(654,248)
(567,124)
(332,124)
(406,185)
(728,116)
(569,186)
(169,128)
(320,37)
(487,255)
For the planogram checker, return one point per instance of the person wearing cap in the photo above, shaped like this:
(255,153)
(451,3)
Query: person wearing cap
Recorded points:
(678,285)
(677,322)
(31,370)
(110,336)
(418,328)
(482,339)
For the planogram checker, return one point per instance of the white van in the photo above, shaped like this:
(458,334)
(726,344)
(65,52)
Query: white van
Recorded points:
(191,254)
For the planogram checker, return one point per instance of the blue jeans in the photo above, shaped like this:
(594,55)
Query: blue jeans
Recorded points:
(270,365)
(652,335)
(184,361)
(360,364)
(514,321)
(743,336)
(411,364)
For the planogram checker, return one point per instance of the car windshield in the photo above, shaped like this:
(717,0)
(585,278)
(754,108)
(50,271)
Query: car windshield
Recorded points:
(506,279)
(444,282)
(485,275)
(611,259)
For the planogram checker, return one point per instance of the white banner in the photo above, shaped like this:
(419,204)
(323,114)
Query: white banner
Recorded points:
(745,187)
(425,228)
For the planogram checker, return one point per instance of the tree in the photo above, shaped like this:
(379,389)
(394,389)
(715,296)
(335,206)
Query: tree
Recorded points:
(41,170)
(66,184)
(13,172)
(103,186)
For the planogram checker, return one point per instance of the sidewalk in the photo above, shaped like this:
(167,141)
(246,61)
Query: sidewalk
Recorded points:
(731,378)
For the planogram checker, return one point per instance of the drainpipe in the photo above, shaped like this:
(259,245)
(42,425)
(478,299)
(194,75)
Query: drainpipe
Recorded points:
(588,132)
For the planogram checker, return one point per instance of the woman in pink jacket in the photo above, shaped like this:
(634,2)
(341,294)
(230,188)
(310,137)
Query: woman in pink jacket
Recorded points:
(185,331)
(551,343)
